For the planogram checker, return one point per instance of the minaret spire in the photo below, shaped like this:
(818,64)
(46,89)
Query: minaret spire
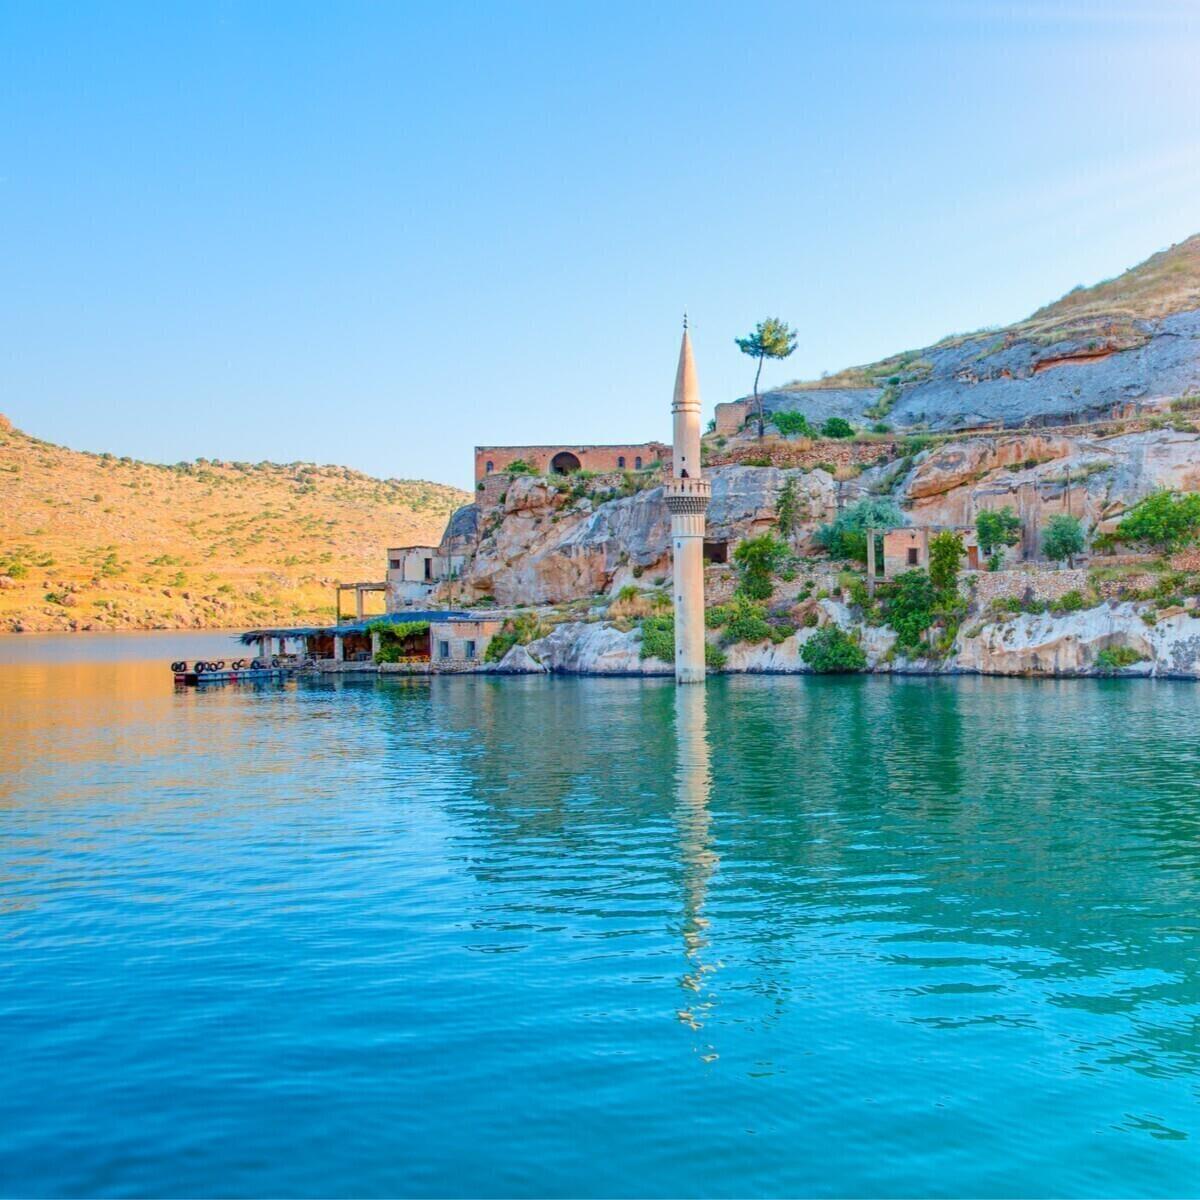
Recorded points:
(687,496)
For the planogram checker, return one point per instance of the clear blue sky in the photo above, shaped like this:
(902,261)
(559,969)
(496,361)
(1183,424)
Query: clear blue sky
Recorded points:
(377,234)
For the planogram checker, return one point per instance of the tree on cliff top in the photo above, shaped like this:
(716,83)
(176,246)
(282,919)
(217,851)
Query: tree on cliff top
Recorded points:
(771,338)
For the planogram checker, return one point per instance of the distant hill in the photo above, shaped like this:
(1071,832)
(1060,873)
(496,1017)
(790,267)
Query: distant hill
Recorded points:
(89,541)
(1126,341)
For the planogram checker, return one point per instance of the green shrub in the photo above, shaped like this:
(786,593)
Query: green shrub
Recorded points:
(716,616)
(714,656)
(519,466)
(1072,602)
(845,536)
(1163,520)
(658,638)
(881,427)
(1117,658)
(945,556)
(837,427)
(519,630)
(756,560)
(792,423)
(1062,537)
(910,608)
(746,622)
(997,528)
(830,651)
(392,637)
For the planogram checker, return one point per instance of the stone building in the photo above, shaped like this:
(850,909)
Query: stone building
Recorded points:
(562,460)
(414,571)
(907,548)
(443,642)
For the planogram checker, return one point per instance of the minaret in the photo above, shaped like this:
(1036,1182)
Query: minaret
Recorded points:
(687,497)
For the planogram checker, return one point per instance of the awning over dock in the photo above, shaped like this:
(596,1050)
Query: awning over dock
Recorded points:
(434,617)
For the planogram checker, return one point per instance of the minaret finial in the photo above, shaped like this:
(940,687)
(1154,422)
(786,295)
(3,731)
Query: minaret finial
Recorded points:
(685,320)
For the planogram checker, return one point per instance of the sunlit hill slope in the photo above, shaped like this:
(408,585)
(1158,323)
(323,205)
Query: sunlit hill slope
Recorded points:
(89,541)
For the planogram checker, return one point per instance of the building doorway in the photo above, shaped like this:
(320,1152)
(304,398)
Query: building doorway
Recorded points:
(564,462)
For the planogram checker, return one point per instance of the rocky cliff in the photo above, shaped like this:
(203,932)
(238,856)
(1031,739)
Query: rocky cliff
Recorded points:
(550,541)
(1099,351)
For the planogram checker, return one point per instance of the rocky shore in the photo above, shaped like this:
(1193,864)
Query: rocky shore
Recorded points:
(1166,644)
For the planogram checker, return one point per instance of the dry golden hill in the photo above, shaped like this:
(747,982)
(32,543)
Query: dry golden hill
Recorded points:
(89,541)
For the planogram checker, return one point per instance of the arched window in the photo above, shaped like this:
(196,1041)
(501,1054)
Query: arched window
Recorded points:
(621,462)
(637,463)
(491,466)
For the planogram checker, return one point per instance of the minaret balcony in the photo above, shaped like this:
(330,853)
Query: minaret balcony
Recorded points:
(687,495)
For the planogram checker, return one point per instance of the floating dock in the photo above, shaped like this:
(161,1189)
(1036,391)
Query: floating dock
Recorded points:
(240,671)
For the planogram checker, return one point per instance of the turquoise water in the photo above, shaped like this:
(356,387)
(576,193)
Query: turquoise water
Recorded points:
(595,937)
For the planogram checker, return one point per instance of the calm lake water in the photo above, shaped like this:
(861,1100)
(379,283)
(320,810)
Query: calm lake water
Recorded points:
(592,937)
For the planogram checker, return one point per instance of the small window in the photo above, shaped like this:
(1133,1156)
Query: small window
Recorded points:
(394,564)
(469,649)
(491,466)
(429,568)
(443,649)
(914,556)
(637,463)
(620,462)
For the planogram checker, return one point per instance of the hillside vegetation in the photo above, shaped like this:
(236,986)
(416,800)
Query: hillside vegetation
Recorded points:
(90,541)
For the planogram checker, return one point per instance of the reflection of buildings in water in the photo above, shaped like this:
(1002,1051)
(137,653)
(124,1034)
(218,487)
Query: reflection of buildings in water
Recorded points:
(693,786)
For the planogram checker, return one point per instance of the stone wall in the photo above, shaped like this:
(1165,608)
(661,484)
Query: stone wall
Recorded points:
(493,491)
(842,454)
(730,417)
(1044,584)
(631,457)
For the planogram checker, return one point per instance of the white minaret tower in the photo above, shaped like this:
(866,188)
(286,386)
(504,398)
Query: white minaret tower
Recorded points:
(687,497)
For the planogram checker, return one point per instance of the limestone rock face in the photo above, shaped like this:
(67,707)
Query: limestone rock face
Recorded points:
(949,485)
(982,378)
(542,548)
(582,648)
(959,463)
(1041,644)
(744,499)
(784,658)
(1030,644)
(518,661)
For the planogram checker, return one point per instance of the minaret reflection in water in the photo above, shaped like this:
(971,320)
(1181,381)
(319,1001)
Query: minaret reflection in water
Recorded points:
(693,789)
